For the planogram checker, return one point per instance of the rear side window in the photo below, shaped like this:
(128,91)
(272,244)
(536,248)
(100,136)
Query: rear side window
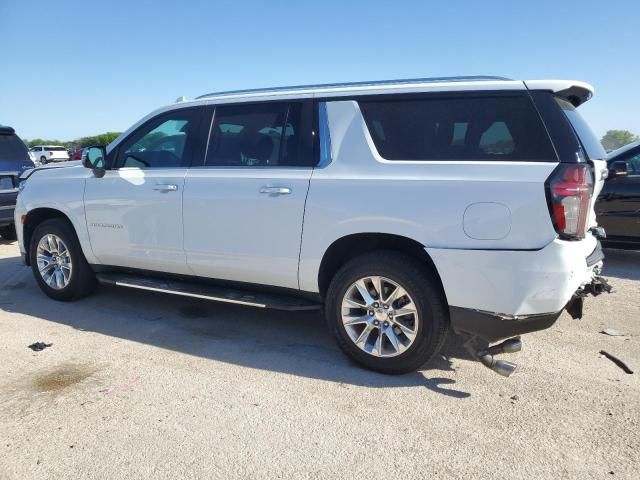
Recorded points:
(261,135)
(588,139)
(458,128)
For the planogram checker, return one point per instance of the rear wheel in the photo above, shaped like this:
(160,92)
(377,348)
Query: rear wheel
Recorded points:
(43,160)
(387,312)
(57,261)
(8,232)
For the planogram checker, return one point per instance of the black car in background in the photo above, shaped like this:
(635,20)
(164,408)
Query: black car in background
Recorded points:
(14,158)
(618,206)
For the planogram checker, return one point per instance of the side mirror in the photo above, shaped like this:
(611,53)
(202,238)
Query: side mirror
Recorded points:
(96,160)
(618,169)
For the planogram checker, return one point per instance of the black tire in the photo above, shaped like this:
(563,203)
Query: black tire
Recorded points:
(43,160)
(422,286)
(82,281)
(8,232)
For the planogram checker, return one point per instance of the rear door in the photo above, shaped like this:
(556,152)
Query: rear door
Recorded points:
(244,206)
(134,213)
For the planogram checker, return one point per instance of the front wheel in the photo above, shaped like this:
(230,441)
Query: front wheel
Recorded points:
(387,312)
(57,261)
(43,160)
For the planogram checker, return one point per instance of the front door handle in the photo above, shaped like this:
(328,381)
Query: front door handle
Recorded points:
(166,187)
(276,190)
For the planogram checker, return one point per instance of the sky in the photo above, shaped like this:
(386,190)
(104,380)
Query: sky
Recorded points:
(76,68)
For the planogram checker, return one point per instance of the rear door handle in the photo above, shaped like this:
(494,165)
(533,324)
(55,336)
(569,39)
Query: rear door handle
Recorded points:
(276,190)
(166,187)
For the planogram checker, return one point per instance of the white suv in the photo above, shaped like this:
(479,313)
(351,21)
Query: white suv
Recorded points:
(49,153)
(405,208)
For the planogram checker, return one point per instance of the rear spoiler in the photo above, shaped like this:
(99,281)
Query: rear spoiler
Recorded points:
(573,91)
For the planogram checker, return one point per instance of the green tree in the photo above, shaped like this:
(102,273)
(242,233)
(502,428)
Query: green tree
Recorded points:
(102,139)
(614,139)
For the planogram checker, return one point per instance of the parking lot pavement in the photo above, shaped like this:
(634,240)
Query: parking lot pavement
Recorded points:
(142,385)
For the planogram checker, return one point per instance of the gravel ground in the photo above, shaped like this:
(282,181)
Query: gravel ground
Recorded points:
(142,385)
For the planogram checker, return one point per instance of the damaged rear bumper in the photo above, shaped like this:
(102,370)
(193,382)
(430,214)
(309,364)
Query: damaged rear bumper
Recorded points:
(492,326)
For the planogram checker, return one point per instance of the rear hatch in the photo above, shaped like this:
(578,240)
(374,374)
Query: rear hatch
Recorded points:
(592,147)
(14,158)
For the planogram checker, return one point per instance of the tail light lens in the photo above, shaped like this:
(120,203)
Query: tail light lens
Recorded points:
(569,190)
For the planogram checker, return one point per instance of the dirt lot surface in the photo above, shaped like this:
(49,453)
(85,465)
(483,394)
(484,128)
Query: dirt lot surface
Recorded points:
(143,385)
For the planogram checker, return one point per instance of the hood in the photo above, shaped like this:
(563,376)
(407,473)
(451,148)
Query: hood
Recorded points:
(50,166)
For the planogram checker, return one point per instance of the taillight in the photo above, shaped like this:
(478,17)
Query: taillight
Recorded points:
(569,190)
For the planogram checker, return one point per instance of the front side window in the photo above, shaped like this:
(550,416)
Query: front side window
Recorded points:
(633,165)
(162,143)
(260,135)
(471,127)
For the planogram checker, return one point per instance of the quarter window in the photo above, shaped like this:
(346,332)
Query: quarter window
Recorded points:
(162,143)
(472,127)
(260,135)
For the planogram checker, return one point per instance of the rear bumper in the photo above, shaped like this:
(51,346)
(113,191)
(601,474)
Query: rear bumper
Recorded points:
(499,294)
(515,282)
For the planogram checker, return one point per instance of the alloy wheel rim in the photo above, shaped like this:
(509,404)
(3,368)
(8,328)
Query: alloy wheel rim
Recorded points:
(379,316)
(54,261)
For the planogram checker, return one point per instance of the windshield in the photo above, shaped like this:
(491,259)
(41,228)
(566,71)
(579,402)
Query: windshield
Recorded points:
(588,139)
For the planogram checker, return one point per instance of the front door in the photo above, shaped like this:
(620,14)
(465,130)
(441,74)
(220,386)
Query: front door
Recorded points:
(244,208)
(134,213)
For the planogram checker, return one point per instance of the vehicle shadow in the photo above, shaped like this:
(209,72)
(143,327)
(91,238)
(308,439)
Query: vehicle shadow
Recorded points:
(622,264)
(295,343)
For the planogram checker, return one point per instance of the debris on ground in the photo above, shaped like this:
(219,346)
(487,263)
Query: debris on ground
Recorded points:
(617,361)
(612,332)
(38,346)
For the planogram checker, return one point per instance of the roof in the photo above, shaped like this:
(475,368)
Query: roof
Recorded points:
(578,92)
(353,85)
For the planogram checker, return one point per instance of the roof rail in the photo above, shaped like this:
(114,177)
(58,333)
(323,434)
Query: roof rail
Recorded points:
(373,83)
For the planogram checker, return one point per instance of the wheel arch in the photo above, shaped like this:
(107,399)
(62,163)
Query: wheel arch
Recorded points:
(353,245)
(34,218)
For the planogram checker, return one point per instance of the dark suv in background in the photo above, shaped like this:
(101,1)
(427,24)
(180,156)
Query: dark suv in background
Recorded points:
(14,158)
(618,206)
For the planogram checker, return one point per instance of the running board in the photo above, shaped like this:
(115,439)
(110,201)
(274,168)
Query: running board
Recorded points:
(209,292)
